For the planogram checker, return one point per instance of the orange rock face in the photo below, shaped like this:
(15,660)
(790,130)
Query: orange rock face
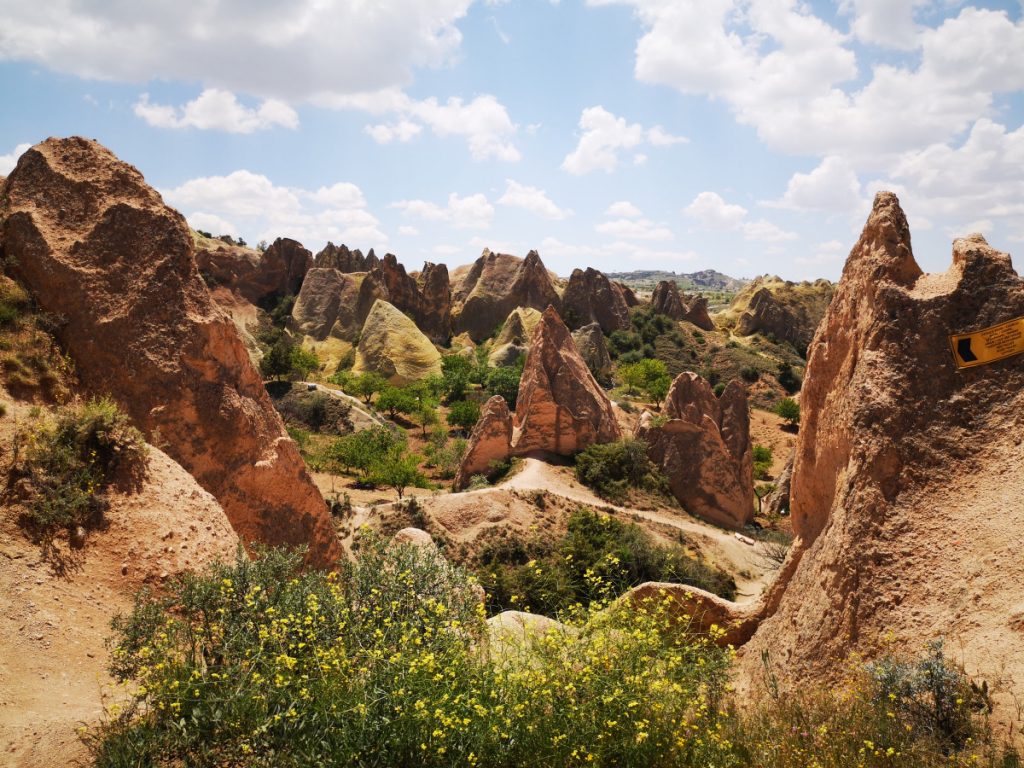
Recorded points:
(667,300)
(560,407)
(100,249)
(428,300)
(906,484)
(490,441)
(704,449)
(257,277)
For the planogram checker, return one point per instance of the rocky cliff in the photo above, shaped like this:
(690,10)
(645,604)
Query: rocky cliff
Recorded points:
(786,310)
(344,260)
(257,277)
(590,297)
(667,300)
(390,344)
(100,250)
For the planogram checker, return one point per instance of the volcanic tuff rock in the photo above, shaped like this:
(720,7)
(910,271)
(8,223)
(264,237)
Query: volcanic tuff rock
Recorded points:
(628,294)
(257,277)
(592,348)
(428,301)
(704,449)
(514,338)
(494,285)
(344,260)
(334,303)
(591,297)
(789,311)
(667,300)
(489,442)
(560,408)
(777,501)
(391,345)
(98,247)
(908,471)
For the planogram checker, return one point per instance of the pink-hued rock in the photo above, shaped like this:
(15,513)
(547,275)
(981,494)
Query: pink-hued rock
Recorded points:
(704,449)
(99,248)
(667,300)
(489,442)
(257,277)
(590,297)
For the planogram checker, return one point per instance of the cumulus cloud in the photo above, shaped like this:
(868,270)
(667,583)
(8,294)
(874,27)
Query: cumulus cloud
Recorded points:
(533,200)
(886,23)
(635,229)
(400,130)
(623,209)
(294,51)
(831,187)
(217,110)
(711,211)
(8,161)
(251,205)
(469,212)
(604,136)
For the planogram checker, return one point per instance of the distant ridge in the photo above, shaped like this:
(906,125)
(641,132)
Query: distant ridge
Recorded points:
(706,279)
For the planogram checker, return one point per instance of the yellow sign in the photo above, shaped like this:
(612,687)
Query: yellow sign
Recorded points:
(988,345)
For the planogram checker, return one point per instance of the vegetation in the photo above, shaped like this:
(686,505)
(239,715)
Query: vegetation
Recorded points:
(598,559)
(31,362)
(65,467)
(456,371)
(287,360)
(505,382)
(463,415)
(789,410)
(260,663)
(316,411)
(612,469)
(762,461)
(649,375)
(378,456)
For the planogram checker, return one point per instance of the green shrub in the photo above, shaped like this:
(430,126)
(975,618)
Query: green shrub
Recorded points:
(648,375)
(788,379)
(719,388)
(456,371)
(397,400)
(789,410)
(762,456)
(505,382)
(464,415)
(366,385)
(750,374)
(68,466)
(363,450)
(611,469)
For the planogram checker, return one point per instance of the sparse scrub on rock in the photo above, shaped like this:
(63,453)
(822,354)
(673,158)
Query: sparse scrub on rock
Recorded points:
(62,469)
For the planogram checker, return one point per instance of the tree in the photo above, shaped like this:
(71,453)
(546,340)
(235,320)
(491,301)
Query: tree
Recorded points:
(362,451)
(649,375)
(762,456)
(398,469)
(426,414)
(277,362)
(367,385)
(789,409)
(303,362)
(505,382)
(397,400)
(455,372)
(464,414)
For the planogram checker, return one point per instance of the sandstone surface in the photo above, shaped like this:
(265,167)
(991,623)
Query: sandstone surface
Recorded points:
(390,344)
(99,248)
(594,350)
(490,441)
(787,310)
(257,277)
(590,297)
(667,300)
(344,260)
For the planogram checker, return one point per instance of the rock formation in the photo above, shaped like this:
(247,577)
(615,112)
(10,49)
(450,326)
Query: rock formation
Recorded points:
(777,502)
(514,338)
(789,311)
(490,441)
(591,297)
(344,260)
(628,295)
(560,408)
(667,300)
(391,345)
(704,449)
(496,284)
(257,277)
(99,248)
(334,303)
(429,306)
(592,348)
(907,477)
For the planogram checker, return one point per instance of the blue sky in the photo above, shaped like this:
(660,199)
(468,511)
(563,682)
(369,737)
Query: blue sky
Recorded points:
(742,135)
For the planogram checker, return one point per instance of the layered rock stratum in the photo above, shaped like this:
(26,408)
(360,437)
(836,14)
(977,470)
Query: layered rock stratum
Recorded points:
(786,310)
(590,297)
(99,249)
(390,344)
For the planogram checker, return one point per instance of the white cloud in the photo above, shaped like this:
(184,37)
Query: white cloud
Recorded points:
(623,209)
(604,136)
(408,231)
(832,187)
(712,212)
(251,205)
(611,254)
(217,110)
(401,130)
(795,78)
(639,159)
(447,250)
(8,161)
(533,200)
(887,23)
(470,212)
(215,225)
(765,231)
(634,229)
(293,51)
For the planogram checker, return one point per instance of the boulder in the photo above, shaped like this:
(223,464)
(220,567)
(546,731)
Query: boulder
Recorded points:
(494,285)
(777,502)
(592,348)
(590,297)
(628,295)
(704,449)
(98,247)
(905,495)
(697,312)
(560,408)
(260,278)
(390,344)
(489,442)
(415,536)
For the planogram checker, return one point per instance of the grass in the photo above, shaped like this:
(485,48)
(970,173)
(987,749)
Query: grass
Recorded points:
(389,662)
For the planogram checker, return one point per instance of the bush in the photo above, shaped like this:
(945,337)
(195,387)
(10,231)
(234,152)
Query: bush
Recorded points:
(464,415)
(719,388)
(397,400)
(456,371)
(750,374)
(762,455)
(788,379)
(261,664)
(363,450)
(447,456)
(315,410)
(366,386)
(649,375)
(611,469)
(789,410)
(505,382)
(68,466)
